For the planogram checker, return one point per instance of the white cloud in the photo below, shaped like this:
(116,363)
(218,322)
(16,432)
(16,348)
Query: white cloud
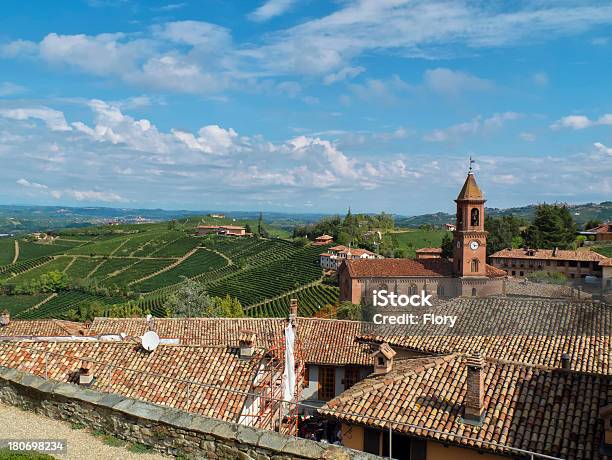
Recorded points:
(474,126)
(89,195)
(271,9)
(600,41)
(452,82)
(343,74)
(200,57)
(212,139)
(8,89)
(581,121)
(28,184)
(601,148)
(54,119)
(380,91)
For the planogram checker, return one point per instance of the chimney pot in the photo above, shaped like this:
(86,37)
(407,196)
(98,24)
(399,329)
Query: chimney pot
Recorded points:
(86,376)
(566,361)
(473,402)
(293,310)
(246,341)
(383,359)
(5,318)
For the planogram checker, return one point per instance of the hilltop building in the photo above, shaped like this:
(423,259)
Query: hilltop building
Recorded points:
(467,274)
(323,240)
(334,256)
(230,230)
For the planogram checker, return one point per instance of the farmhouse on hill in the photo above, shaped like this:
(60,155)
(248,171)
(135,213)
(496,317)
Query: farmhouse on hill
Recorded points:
(229,230)
(467,274)
(602,232)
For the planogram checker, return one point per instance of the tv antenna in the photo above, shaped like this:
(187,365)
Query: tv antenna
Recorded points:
(150,341)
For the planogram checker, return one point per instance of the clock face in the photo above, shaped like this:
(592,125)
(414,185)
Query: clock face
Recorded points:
(474,245)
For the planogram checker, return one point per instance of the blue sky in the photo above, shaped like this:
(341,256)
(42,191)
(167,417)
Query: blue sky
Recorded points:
(304,106)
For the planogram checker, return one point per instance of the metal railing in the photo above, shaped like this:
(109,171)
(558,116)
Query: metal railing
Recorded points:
(383,423)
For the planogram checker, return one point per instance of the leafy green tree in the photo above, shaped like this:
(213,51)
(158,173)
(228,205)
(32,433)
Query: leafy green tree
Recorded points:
(192,300)
(592,224)
(447,246)
(348,310)
(503,232)
(553,226)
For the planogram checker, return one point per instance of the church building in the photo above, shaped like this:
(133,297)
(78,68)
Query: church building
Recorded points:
(466,274)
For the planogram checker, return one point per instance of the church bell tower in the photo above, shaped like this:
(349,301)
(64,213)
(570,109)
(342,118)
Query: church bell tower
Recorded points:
(470,237)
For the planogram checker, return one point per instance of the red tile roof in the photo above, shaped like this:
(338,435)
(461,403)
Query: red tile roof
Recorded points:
(548,411)
(606,262)
(470,190)
(429,250)
(398,267)
(534,332)
(324,341)
(219,366)
(42,328)
(580,255)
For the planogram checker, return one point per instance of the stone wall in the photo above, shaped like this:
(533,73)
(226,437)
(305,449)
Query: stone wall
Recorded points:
(167,430)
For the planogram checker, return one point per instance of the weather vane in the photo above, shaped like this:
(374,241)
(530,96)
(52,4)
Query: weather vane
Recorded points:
(471,163)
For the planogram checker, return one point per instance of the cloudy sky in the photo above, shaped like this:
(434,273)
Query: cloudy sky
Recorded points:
(304,106)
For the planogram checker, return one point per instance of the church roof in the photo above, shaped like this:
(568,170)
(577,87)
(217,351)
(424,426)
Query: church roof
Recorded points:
(470,190)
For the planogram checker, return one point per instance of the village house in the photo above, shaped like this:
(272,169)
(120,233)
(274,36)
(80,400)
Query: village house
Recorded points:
(571,263)
(229,230)
(602,232)
(323,240)
(450,227)
(467,274)
(334,256)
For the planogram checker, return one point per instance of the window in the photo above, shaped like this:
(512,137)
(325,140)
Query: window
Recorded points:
(381,361)
(573,263)
(440,291)
(560,263)
(513,273)
(548,263)
(584,264)
(521,273)
(351,376)
(473,292)
(371,443)
(327,383)
(475,217)
(475,265)
(459,217)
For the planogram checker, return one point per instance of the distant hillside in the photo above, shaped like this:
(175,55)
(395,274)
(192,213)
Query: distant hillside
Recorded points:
(581,212)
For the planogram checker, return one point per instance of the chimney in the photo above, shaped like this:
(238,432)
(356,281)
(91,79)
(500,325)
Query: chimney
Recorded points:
(554,253)
(5,318)
(246,341)
(383,359)
(293,311)
(86,376)
(473,402)
(566,361)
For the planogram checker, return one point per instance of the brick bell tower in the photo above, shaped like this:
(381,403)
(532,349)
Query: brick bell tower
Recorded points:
(470,237)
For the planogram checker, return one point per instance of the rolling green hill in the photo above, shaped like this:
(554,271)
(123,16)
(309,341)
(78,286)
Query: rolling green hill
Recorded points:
(147,262)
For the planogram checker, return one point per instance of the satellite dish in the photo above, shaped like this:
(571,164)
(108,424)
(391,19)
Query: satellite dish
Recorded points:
(150,341)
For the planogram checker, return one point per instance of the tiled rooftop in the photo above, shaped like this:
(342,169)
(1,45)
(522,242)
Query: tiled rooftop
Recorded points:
(209,365)
(42,328)
(530,331)
(543,254)
(324,341)
(554,412)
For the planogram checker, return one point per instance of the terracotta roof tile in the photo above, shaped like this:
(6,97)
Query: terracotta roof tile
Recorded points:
(399,267)
(324,341)
(531,331)
(470,190)
(552,412)
(580,255)
(42,328)
(207,365)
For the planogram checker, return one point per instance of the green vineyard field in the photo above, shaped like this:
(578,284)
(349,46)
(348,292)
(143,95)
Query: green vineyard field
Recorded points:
(311,300)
